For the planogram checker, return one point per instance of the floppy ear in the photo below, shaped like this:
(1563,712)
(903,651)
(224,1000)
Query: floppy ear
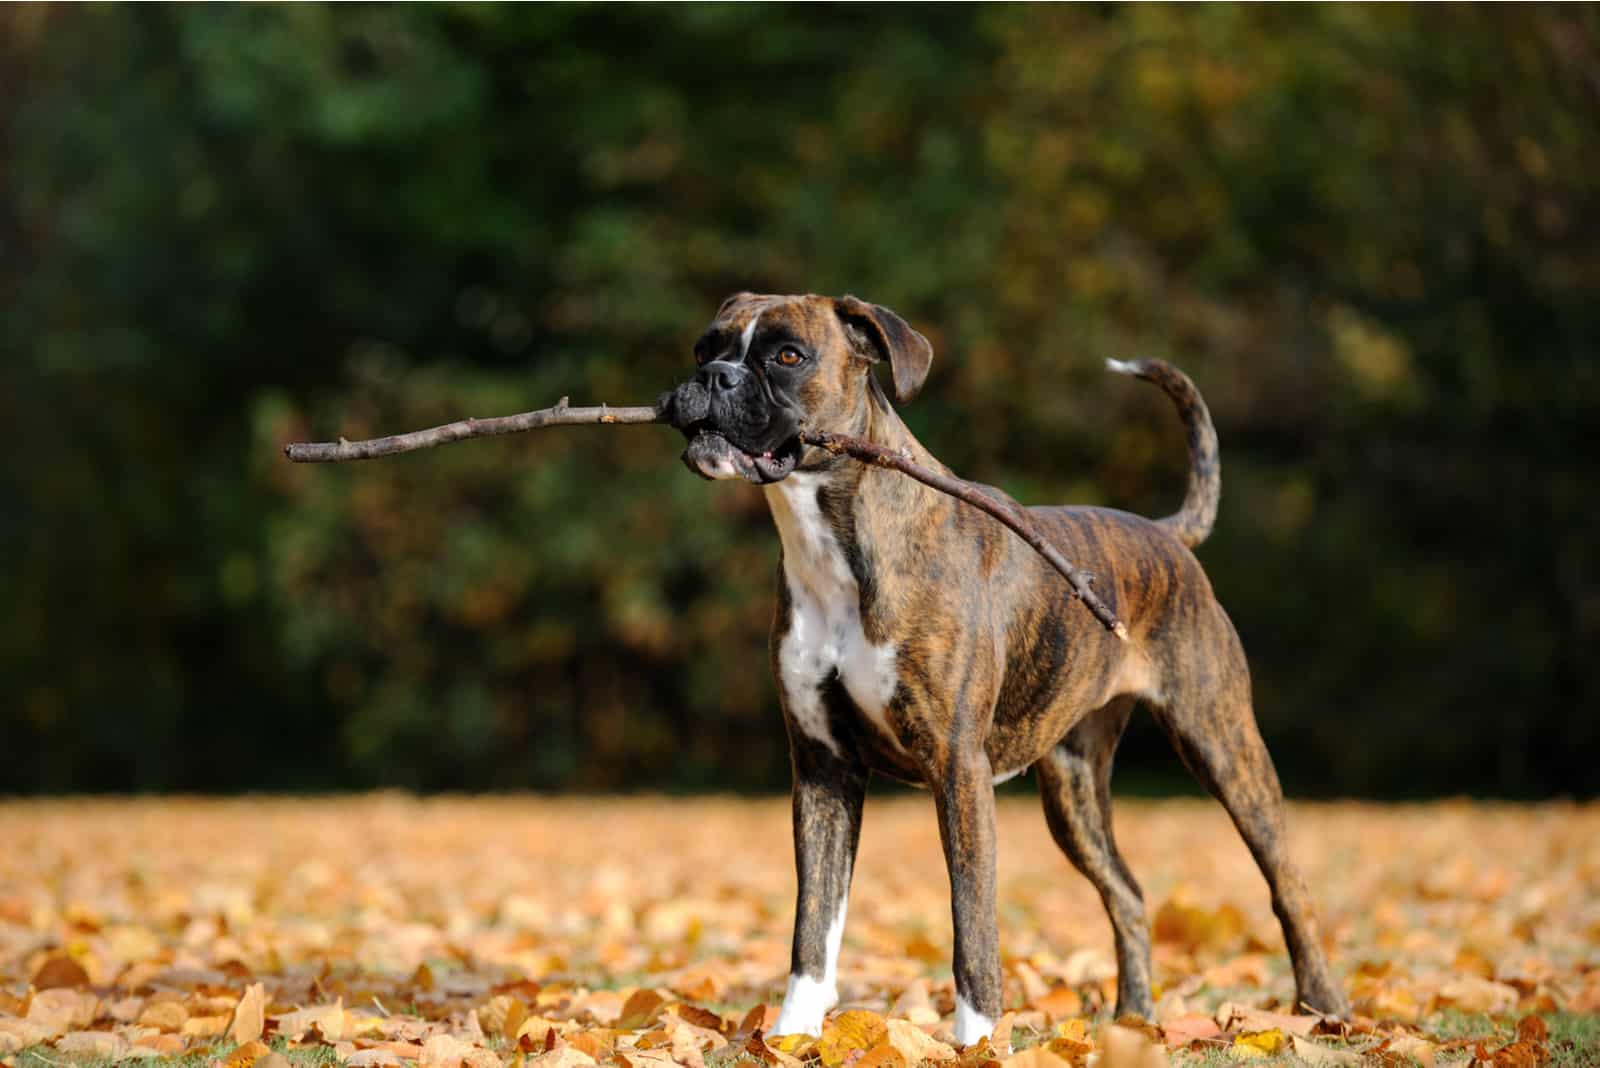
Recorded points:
(883,334)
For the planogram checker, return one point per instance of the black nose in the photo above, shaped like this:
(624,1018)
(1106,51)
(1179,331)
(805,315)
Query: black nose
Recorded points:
(721,376)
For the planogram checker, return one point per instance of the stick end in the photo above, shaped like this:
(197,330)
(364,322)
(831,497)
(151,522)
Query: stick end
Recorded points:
(1120,630)
(1124,367)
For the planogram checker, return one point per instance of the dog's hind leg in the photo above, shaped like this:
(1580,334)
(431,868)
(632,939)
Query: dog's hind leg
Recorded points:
(1075,784)
(1207,714)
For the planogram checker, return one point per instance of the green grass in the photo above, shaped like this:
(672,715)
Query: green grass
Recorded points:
(1574,1040)
(46,1057)
(1574,1037)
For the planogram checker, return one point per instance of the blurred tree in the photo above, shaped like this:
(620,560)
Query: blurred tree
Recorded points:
(1370,233)
(1367,232)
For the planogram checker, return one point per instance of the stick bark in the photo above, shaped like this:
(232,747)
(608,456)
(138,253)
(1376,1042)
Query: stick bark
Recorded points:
(1007,512)
(323,452)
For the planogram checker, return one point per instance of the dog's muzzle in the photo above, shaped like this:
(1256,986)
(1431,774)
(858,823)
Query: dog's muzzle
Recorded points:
(734,429)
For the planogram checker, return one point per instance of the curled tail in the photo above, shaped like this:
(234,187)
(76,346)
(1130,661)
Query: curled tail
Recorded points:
(1191,523)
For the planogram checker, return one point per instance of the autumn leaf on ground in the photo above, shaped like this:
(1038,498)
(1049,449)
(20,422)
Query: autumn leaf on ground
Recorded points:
(1234,1017)
(246,1055)
(1122,1047)
(915,1045)
(1320,1056)
(59,970)
(1254,1044)
(567,933)
(1410,1046)
(171,1015)
(249,1016)
(1191,927)
(641,1008)
(795,1045)
(847,1033)
(914,1004)
(97,1044)
(1189,1027)
(1037,1057)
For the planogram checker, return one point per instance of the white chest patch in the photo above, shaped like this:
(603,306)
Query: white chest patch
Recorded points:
(825,632)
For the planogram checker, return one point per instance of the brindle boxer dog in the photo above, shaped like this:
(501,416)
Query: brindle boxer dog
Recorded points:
(918,638)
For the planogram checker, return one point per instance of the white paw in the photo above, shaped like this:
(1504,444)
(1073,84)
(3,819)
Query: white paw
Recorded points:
(805,1003)
(971,1024)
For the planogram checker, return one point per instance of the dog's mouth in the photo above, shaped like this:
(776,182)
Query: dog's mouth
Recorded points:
(711,455)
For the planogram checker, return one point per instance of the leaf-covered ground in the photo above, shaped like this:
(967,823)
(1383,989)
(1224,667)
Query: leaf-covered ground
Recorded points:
(653,933)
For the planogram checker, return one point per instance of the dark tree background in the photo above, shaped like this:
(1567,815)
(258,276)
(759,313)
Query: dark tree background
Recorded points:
(1370,233)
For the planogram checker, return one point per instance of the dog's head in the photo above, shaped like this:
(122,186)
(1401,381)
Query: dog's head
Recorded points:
(770,366)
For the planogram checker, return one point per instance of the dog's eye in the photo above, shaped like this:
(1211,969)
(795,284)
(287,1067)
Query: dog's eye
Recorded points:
(790,357)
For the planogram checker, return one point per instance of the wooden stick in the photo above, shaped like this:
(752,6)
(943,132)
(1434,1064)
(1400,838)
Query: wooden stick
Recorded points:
(1006,511)
(322,452)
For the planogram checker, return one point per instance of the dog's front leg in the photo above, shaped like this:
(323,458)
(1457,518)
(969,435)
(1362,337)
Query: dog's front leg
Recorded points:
(828,794)
(965,799)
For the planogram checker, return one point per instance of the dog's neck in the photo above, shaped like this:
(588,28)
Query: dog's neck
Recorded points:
(853,521)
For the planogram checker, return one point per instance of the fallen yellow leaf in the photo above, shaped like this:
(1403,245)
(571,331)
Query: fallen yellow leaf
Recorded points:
(205,1026)
(61,1010)
(59,970)
(335,1024)
(1061,1003)
(850,1031)
(249,1016)
(1123,1047)
(796,1045)
(1189,1027)
(1073,1050)
(1472,993)
(535,1031)
(915,1004)
(1417,1049)
(445,1051)
(102,1044)
(246,1055)
(1191,927)
(1037,1057)
(882,1055)
(915,1045)
(372,1058)
(1320,1056)
(641,1008)
(164,1016)
(1391,1001)
(20,1034)
(695,1015)
(1234,1017)
(1253,1044)
(164,1045)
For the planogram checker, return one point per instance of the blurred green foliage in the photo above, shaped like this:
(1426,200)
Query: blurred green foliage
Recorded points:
(1370,233)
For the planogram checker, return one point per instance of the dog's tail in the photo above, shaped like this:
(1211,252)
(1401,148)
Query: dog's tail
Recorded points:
(1191,523)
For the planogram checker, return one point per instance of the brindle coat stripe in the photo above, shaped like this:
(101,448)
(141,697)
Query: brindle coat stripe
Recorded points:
(994,670)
